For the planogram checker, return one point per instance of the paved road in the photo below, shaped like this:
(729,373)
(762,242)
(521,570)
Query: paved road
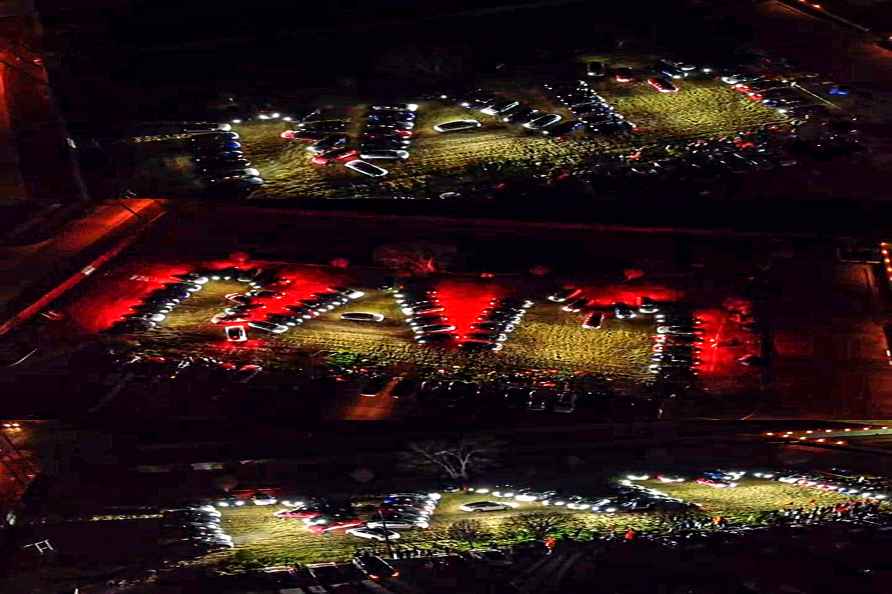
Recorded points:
(52,263)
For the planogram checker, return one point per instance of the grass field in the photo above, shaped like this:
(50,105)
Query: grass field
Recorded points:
(439,162)
(749,497)
(261,538)
(701,109)
(546,339)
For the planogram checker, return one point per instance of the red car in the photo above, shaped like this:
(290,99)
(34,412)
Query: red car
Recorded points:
(662,85)
(716,484)
(341,155)
(341,524)
(302,135)
(300,513)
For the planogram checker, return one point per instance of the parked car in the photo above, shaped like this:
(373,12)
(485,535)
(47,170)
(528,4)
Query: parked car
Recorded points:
(623,75)
(392,154)
(395,107)
(361,316)
(663,85)
(593,320)
(268,327)
(398,523)
(235,333)
(330,142)
(596,69)
(457,126)
(485,506)
(564,128)
(373,533)
(340,155)
(374,567)
(366,168)
(502,107)
(564,294)
(521,115)
(543,121)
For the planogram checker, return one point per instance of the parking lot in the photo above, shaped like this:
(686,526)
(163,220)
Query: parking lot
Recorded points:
(703,109)
(488,157)
(260,537)
(579,345)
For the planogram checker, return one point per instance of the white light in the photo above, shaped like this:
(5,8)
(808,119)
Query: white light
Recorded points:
(275,115)
(287,118)
(236,121)
(263,116)
(435,496)
(412,106)
(444,97)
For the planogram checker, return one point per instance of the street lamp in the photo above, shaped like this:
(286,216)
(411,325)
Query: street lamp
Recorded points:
(386,537)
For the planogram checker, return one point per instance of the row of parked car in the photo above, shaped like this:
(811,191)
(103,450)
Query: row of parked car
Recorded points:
(396,511)
(386,135)
(590,110)
(625,497)
(193,531)
(297,313)
(156,306)
(775,92)
(426,316)
(510,111)
(218,158)
(676,348)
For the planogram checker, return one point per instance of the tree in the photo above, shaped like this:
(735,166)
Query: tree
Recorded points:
(538,525)
(418,258)
(468,532)
(426,66)
(456,458)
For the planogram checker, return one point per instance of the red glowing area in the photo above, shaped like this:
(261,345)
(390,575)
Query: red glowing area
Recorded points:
(100,308)
(630,294)
(465,300)
(724,343)
(298,284)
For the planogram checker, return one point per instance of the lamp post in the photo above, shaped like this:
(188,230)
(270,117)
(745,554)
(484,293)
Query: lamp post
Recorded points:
(386,536)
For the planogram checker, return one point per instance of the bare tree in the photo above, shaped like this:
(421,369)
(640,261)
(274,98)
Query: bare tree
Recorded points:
(538,525)
(457,459)
(468,532)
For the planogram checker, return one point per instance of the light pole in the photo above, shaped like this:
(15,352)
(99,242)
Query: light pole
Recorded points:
(386,537)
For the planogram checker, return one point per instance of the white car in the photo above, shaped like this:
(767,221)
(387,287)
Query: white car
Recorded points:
(361,316)
(543,121)
(736,79)
(374,533)
(385,154)
(499,108)
(457,126)
(527,495)
(264,499)
(235,333)
(365,168)
(485,506)
(398,524)
(395,107)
